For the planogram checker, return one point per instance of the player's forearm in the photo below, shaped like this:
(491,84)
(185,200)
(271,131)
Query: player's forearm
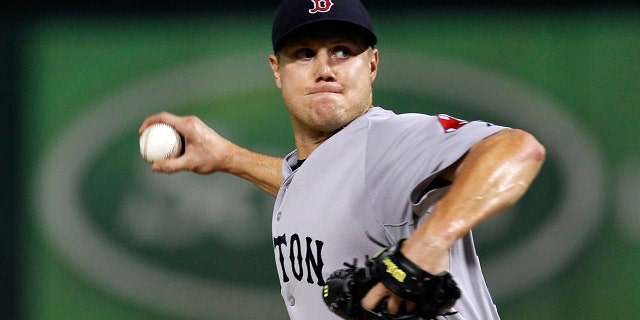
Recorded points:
(494,174)
(262,170)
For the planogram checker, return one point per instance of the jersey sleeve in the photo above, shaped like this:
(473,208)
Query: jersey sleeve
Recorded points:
(406,153)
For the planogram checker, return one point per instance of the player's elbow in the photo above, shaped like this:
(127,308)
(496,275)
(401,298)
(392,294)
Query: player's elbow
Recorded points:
(530,149)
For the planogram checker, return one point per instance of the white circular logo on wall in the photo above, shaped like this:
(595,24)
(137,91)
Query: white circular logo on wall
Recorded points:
(204,207)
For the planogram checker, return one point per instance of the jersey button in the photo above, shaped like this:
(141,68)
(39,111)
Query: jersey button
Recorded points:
(292,301)
(278,215)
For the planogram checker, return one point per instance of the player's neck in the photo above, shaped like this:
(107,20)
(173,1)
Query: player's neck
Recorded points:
(306,144)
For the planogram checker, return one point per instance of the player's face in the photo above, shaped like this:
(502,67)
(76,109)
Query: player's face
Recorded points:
(325,77)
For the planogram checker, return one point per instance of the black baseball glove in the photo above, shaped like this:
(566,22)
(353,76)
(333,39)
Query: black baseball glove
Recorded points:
(433,295)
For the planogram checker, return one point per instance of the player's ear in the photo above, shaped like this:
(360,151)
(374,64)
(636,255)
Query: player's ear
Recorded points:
(373,63)
(275,67)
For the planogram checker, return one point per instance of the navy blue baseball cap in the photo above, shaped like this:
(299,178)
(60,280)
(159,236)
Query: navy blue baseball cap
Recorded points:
(292,15)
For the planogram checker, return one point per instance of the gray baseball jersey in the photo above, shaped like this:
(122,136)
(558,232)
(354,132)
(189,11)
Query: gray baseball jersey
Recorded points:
(373,177)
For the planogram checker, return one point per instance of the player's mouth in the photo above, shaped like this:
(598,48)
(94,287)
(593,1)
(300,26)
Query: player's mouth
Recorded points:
(325,88)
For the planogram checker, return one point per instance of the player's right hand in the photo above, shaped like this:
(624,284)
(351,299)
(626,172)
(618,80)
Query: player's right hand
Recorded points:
(205,151)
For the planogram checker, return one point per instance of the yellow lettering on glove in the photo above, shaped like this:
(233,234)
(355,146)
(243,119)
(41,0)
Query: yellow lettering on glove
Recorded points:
(393,270)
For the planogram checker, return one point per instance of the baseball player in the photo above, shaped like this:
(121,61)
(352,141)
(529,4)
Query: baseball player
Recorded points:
(362,176)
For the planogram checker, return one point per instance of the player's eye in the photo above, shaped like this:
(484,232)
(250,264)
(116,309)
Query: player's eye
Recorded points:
(341,52)
(304,53)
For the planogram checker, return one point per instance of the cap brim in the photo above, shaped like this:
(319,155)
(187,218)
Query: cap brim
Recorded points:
(369,37)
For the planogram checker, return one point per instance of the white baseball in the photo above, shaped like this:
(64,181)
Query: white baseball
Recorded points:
(160,141)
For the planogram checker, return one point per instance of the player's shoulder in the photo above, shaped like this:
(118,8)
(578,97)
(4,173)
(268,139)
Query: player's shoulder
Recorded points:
(387,120)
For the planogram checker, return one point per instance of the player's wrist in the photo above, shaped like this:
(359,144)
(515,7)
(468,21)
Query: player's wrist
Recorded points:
(429,253)
(234,160)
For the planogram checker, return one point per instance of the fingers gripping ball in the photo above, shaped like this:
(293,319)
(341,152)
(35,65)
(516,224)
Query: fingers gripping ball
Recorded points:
(160,141)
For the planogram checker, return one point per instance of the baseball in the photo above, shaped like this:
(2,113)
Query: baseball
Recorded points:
(160,141)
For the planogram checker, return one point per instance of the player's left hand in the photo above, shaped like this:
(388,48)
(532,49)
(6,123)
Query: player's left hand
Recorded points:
(378,293)
(390,286)
(431,258)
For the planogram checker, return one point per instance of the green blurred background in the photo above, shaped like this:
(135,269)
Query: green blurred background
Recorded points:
(91,233)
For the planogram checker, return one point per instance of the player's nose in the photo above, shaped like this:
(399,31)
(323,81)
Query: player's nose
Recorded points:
(322,66)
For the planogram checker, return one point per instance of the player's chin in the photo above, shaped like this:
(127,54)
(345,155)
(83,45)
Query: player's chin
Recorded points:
(333,118)
(330,126)
(326,104)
